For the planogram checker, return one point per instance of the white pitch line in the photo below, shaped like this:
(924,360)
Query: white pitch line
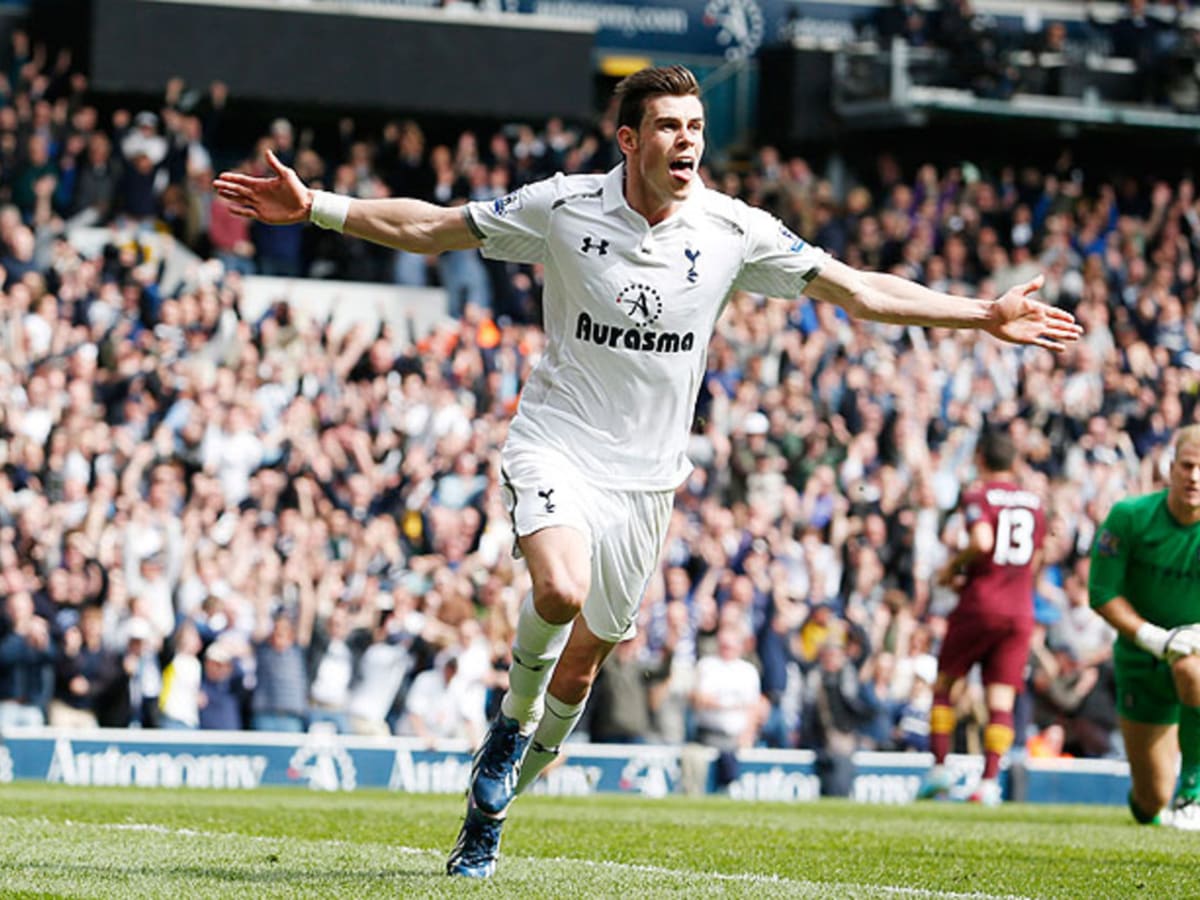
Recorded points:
(779,880)
(752,878)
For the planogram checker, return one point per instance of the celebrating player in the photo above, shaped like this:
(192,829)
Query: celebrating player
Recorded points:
(1145,580)
(639,263)
(993,621)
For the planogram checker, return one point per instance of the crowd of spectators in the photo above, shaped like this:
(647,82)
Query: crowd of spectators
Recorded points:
(1156,48)
(209,520)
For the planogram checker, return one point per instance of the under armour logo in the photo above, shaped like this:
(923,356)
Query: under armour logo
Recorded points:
(589,243)
(692,256)
(545,495)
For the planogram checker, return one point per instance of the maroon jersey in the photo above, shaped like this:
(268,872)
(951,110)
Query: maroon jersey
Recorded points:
(1001,584)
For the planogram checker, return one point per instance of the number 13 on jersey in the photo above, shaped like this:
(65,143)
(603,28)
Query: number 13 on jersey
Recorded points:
(1015,530)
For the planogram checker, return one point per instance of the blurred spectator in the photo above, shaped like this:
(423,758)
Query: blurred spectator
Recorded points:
(881,709)
(444,704)
(97,181)
(283,140)
(671,633)
(38,165)
(143,139)
(1139,36)
(181,697)
(912,718)
(461,272)
(727,699)
(230,239)
(834,711)
(1055,58)
(333,660)
(1081,699)
(620,700)
(222,688)
(138,189)
(1181,72)
(1088,637)
(87,677)
(902,19)
(149,583)
(26,665)
(974,46)
(142,671)
(280,689)
(384,666)
(408,174)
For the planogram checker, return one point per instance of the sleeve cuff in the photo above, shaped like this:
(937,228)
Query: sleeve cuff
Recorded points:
(472,224)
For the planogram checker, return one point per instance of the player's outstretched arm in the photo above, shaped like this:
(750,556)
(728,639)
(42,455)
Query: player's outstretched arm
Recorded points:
(1018,317)
(281,198)
(1021,318)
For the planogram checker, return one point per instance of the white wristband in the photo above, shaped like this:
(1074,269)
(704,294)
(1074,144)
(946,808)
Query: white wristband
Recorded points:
(329,210)
(1152,639)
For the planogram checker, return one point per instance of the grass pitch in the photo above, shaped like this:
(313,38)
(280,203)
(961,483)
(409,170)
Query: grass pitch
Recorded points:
(123,843)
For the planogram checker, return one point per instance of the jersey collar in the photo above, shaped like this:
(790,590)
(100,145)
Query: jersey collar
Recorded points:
(613,197)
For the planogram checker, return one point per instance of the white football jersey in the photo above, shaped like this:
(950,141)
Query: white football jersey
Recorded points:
(628,311)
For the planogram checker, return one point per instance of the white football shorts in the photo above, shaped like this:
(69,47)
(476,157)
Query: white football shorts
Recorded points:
(624,529)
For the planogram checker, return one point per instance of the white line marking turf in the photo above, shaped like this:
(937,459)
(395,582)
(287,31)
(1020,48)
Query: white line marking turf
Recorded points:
(749,878)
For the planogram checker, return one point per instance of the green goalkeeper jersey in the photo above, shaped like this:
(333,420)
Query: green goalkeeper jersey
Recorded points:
(1144,555)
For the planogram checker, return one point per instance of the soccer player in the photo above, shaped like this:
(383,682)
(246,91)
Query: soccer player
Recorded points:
(993,621)
(639,263)
(1145,581)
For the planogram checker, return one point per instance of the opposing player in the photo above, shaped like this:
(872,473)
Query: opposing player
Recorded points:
(993,622)
(639,263)
(1145,581)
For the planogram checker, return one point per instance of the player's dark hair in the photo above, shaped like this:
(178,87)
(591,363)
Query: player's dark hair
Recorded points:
(997,449)
(634,90)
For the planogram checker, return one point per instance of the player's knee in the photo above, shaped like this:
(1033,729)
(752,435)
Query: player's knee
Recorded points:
(1188,667)
(1186,672)
(561,594)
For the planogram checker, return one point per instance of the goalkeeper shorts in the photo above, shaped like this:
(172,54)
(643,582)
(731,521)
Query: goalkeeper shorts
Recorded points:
(1145,689)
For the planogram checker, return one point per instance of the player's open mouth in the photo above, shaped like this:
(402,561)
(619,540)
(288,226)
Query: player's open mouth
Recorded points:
(683,168)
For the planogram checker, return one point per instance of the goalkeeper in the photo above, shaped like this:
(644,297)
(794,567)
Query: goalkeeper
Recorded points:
(1145,581)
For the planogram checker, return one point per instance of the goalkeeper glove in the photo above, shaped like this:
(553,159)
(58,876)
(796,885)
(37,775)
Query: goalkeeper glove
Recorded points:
(1172,645)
